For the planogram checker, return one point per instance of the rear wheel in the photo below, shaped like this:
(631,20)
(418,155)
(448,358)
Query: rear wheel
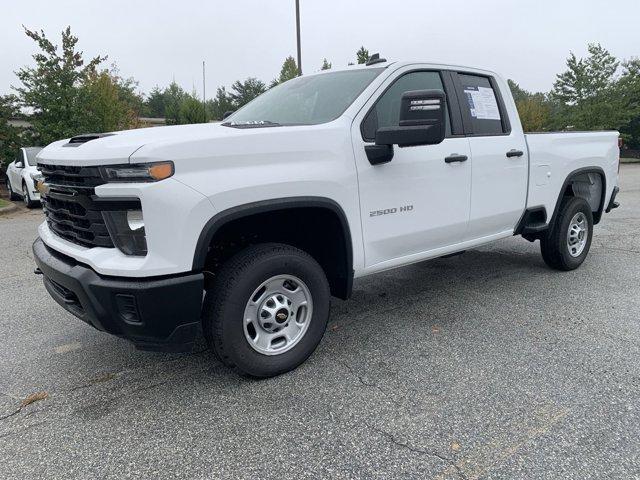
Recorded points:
(12,195)
(567,242)
(267,310)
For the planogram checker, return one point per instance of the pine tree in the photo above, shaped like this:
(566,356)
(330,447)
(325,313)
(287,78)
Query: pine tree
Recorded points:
(362,55)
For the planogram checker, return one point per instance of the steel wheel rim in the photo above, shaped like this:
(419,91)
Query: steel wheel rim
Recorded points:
(25,195)
(578,234)
(277,315)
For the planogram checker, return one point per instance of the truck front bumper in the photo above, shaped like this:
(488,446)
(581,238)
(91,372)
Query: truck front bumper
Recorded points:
(161,314)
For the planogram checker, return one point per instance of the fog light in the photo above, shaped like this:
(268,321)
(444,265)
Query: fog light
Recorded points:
(126,229)
(135,220)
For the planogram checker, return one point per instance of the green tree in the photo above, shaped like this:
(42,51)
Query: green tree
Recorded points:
(243,92)
(534,109)
(50,89)
(362,55)
(585,92)
(220,104)
(288,71)
(174,95)
(191,109)
(326,65)
(154,104)
(10,136)
(628,93)
(109,103)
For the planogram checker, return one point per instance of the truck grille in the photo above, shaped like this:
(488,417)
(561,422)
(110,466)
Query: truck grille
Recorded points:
(71,207)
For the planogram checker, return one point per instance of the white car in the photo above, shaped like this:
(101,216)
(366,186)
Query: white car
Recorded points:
(23,176)
(243,230)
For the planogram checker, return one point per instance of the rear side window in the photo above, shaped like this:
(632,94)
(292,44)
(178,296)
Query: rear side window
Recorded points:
(386,111)
(482,103)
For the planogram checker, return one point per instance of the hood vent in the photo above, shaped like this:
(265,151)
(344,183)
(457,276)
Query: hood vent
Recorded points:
(87,137)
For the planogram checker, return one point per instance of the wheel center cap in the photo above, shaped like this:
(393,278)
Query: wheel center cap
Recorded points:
(282,315)
(275,313)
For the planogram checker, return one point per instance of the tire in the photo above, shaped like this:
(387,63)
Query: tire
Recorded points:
(246,286)
(26,198)
(12,195)
(561,252)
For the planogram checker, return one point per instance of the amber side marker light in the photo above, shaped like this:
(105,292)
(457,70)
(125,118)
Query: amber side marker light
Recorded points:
(160,171)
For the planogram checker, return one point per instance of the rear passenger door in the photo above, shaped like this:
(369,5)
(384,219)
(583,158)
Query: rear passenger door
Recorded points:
(500,165)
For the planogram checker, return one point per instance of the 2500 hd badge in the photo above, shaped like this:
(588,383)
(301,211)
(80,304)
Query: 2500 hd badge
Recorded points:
(389,211)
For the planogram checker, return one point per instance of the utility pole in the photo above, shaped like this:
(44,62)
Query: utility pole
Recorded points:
(204,95)
(298,36)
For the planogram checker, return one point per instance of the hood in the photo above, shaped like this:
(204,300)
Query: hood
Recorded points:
(191,142)
(117,147)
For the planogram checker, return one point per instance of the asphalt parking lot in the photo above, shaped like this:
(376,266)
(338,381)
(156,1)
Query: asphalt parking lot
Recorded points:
(485,365)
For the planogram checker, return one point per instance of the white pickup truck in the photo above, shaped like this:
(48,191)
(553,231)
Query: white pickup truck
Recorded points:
(243,230)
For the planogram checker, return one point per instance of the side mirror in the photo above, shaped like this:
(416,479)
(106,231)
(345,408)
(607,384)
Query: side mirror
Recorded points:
(227,114)
(19,164)
(422,122)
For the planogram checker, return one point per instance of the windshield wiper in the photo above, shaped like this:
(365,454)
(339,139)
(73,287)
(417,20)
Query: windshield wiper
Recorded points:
(252,124)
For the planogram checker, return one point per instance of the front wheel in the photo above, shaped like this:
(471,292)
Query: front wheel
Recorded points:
(567,242)
(26,198)
(267,309)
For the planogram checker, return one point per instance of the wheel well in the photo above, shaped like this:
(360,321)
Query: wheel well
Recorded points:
(319,231)
(590,186)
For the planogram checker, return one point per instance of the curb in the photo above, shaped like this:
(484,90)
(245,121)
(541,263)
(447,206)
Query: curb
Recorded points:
(12,207)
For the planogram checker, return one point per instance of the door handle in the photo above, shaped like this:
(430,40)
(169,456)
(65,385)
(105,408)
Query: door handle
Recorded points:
(456,158)
(514,153)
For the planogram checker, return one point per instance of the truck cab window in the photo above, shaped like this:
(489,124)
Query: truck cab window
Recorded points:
(480,100)
(386,111)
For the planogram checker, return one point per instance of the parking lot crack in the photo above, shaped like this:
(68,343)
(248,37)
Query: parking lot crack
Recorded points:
(361,379)
(407,446)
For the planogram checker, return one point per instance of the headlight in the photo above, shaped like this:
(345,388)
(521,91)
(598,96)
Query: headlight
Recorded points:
(126,228)
(144,172)
(36,177)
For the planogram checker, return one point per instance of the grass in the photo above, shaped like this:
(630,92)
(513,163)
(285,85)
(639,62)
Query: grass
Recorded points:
(3,203)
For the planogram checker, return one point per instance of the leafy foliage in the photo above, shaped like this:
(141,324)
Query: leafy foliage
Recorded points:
(243,92)
(69,96)
(221,104)
(627,92)
(10,136)
(192,110)
(585,92)
(534,109)
(64,95)
(173,95)
(594,93)
(51,88)
(109,103)
(362,55)
(154,105)
(288,71)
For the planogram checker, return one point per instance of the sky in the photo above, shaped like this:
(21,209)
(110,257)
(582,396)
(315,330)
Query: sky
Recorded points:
(159,41)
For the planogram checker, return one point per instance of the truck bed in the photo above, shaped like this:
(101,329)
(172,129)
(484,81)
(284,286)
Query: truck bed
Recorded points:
(554,156)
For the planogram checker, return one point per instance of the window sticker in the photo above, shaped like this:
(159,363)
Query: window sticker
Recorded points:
(483,103)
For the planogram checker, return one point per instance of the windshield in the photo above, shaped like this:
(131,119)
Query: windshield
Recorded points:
(31,155)
(305,100)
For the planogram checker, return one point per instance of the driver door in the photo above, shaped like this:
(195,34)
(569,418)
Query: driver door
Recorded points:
(419,201)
